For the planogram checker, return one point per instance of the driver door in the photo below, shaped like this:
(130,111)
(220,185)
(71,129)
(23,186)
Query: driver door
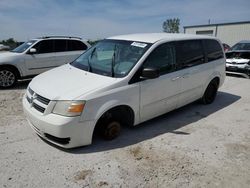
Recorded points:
(43,59)
(161,94)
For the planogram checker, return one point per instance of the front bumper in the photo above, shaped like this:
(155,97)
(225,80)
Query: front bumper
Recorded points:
(66,132)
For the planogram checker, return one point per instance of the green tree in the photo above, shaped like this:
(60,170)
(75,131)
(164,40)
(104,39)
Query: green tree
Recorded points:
(171,25)
(10,42)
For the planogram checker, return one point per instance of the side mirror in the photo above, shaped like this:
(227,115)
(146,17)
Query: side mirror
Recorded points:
(32,51)
(150,73)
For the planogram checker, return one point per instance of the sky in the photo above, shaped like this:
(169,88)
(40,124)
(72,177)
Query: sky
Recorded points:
(97,19)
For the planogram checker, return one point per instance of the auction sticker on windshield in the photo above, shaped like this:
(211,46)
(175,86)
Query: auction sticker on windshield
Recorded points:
(139,44)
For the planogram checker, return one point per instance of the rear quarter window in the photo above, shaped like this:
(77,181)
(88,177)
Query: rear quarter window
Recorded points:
(213,50)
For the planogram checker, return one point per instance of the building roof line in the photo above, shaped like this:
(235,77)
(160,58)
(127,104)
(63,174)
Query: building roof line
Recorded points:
(229,23)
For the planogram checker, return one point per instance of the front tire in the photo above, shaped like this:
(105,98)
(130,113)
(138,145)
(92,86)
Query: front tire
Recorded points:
(210,93)
(8,78)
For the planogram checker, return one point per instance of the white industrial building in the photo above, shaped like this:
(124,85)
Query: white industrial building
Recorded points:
(229,33)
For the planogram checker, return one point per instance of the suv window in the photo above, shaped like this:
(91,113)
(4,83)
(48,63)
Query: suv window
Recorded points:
(213,49)
(74,45)
(190,53)
(24,46)
(163,57)
(60,45)
(45,46)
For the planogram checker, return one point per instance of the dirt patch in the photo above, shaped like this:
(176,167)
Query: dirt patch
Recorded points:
(103,183)
(81,175)
(136,152)
(238,151)
(11,107)
(163,168)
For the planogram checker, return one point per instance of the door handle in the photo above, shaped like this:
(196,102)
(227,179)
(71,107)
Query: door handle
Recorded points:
(185,75)
(176,78)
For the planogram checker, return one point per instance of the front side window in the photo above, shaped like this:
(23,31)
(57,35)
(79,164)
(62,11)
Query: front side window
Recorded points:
(24,46)
(190,53)
(114,58)
(45,46)
(162,58)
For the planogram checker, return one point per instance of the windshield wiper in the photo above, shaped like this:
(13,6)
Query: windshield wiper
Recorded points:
(113,63)
(90,57)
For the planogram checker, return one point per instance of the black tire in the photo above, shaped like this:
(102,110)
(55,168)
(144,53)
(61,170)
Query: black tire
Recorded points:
(8,77)
(110,129)
(210,93)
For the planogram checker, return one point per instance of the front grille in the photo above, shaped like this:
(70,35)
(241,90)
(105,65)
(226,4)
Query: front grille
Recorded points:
(31,91)
(42,99)
(38,108)
(28,99)
(234,63)
(37,101)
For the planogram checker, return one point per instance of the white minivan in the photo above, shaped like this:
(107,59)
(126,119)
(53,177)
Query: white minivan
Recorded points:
(123,80)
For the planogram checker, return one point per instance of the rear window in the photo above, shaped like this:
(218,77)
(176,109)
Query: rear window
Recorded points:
(74,45)
(213,49)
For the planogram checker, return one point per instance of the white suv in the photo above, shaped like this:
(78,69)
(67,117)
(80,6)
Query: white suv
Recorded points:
(38,55)
(123,80)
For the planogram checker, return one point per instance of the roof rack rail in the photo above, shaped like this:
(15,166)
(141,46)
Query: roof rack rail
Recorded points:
(46,37)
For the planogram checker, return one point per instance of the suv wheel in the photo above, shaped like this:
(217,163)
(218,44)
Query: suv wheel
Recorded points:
(210,93)
(8,78)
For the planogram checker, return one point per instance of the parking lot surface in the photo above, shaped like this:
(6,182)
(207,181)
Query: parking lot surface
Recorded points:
(194,146)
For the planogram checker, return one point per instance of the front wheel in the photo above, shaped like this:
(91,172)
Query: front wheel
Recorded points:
(8,78)
(210,93)
(111,129)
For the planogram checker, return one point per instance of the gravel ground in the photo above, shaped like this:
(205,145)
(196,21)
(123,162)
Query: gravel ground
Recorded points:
(195,146)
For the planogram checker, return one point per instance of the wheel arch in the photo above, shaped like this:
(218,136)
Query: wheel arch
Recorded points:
(121,108)
(17,71)
(125,112)
(215,76)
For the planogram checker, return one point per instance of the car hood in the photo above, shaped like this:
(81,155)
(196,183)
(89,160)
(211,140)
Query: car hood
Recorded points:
(68,83)
(7,56)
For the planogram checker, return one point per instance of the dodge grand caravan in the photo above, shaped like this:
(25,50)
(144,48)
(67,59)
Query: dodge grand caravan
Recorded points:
(123,80)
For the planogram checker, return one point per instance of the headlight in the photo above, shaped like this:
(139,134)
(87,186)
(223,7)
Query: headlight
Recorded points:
(69,108)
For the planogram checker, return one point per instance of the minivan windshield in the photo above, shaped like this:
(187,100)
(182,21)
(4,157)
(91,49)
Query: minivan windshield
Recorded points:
(24,46)
(114,58)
